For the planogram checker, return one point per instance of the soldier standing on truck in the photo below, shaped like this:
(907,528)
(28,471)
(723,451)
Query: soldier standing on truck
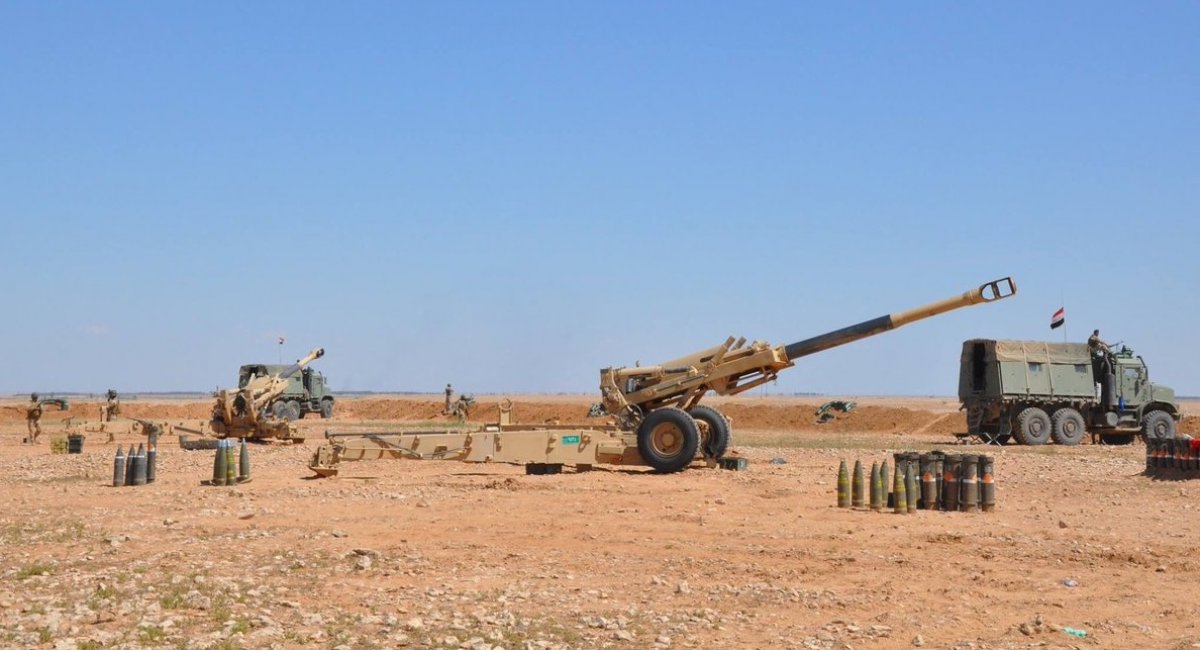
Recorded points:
(1096,345)
(1098,350)
(33,413)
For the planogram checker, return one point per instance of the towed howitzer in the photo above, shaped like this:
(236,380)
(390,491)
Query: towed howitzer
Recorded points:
(242,412)
(657,420)
(661,402)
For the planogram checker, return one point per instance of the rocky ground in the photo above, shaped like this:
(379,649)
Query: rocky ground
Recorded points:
(447,555)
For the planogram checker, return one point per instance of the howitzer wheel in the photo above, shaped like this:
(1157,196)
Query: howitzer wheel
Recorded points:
(1158,425)
(1067,426)
(1033,426)
(668,439)
(715,434)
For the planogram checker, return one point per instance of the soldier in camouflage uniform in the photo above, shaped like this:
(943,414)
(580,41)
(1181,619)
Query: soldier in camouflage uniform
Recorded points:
(33,413)
(1096,345)
(111,408)
(449,392)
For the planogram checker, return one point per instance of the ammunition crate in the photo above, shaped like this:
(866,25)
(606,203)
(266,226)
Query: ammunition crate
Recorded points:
(58,445)
(735,464)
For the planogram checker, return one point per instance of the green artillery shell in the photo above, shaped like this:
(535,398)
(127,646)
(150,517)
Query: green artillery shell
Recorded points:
(970,484)
(950,482)
(987,483)
(230,464)
(843,486)
(129,463)
(898,496)
(886,480)
(876,488)
(119,468)
(244,462)
(139,466)
(912,490)
(219,466)
(857,485)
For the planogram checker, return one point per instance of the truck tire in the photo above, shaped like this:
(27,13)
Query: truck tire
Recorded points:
(1032,426)
(326,408)
(667,439)
(1067,426)
(280,410)
(293,410)
(1158,425)
(717,441)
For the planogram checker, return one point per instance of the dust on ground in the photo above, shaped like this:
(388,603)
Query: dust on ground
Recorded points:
(448,555)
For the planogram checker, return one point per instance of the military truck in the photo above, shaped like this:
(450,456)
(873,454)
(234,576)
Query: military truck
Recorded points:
(1035,392)
(306,391)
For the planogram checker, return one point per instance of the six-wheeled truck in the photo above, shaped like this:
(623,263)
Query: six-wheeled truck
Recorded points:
(306,391)
(1034,392)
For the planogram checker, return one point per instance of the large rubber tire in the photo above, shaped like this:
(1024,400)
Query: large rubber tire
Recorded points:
(293,410)
(1158,425)
(1067,426)
(1032,426)
(280,410)
(668,439)
(717,441)
(326,408)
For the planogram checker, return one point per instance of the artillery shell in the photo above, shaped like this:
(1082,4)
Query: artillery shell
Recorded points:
(987,483)
(950,482)
(219,464)
(139,466)
(939,466)
(857,485)
(928,484)
(886,481)
(230,464)
(843,486)
(119,468)
(970,485)
(151,461)
(243,463)
(876,488)
(912,491)
(129,465)
(898,497)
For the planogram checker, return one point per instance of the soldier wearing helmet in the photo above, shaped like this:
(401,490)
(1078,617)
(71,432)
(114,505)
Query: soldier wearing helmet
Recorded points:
(111,408)
(33,413)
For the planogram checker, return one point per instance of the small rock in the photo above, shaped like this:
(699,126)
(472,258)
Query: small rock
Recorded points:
(1161,569)
(245,515)
(623,635)
(683,588)
(918,641)
(414,624)
(1062,524)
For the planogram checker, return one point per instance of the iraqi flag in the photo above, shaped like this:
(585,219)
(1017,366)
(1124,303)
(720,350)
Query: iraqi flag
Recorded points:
(1059,317)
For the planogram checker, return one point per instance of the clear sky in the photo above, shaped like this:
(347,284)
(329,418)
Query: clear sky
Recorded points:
(510,195)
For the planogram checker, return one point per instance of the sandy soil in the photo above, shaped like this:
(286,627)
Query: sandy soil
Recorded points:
(443,554)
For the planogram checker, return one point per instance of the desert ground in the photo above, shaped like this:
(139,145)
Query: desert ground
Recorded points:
(432,554)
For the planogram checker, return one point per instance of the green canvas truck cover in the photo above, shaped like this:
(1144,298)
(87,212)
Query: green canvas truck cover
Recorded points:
(1005,368)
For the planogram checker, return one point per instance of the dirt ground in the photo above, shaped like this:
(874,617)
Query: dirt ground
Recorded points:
(448,555)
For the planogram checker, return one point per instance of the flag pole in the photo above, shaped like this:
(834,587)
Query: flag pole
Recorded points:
(1063,303)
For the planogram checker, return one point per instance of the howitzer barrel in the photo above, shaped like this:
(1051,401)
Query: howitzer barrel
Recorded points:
(988,292)
(295,367)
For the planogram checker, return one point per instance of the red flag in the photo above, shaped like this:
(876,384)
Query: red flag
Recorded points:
(1059,317)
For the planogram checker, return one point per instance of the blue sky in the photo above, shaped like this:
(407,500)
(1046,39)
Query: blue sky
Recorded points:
(509,196)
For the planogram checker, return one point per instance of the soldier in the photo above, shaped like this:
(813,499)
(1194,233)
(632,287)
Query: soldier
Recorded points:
(449,392)
(111,408)
(33,413)
(1096,345)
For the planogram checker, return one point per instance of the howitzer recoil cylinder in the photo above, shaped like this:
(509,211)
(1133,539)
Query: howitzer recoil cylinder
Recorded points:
(296,367)
(989,292)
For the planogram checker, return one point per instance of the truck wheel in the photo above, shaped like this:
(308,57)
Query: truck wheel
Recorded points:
(668,439)
(1033,426)
(293,410)
(280,410)
(1067,426)
(1158,425)
(716,424)
(326,408)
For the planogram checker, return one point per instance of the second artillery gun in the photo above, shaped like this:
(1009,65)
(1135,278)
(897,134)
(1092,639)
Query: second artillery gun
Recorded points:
(243,412)
(657,419)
